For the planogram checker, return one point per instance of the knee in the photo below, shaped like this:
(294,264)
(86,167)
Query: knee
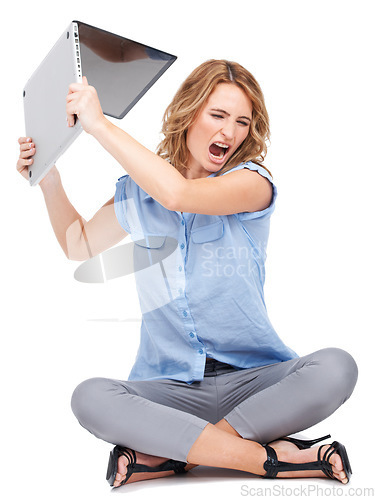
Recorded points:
(89,396)
(339,371)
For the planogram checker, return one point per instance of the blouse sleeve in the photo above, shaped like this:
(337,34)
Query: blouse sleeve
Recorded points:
(121,197)
(271,207)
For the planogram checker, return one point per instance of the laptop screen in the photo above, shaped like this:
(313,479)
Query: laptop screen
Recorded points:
(120,69)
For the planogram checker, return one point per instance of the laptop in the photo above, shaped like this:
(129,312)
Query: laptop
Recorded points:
(120,69)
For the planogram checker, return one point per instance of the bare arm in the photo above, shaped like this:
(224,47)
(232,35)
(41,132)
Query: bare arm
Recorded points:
(79,239)
(243,191)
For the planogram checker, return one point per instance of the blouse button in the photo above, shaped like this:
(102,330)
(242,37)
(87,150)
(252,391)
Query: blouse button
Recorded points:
(182,246)
(191,334)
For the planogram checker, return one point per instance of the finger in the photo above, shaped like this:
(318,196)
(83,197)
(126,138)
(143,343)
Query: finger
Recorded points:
(71,97)
(76,87)
(27,146)
(84,81)
(71,114)
(21,164)
(27,154)
(22,140)
(24,161)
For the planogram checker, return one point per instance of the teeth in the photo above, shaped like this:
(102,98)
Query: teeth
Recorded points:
(221,145)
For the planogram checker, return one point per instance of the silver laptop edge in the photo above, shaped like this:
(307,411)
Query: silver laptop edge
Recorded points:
(52,80)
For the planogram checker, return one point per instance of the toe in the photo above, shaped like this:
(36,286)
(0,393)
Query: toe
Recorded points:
(340,475)
(118,479)
(336,462)
(121,470)
(338,468)
(122,465)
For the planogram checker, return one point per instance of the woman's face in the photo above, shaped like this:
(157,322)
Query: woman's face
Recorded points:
(220,128)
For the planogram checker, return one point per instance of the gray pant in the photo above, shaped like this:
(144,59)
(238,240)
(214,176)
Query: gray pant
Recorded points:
(165,417)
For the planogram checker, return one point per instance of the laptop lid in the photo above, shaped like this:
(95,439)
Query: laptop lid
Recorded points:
(120,69)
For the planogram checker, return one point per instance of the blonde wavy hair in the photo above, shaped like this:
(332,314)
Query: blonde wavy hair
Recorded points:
(188,102)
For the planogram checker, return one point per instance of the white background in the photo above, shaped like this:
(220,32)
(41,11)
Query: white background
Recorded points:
(314,62)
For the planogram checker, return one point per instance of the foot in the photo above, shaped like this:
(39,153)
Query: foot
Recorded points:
(289,452)
(141,458)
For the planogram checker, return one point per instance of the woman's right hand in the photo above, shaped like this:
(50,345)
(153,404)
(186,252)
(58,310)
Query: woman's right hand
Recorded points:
(27,150)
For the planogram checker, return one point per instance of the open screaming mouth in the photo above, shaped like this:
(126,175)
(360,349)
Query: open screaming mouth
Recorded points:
(218,150)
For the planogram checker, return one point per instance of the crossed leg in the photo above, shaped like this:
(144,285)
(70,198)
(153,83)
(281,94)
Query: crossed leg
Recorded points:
(221,446)
(305,395)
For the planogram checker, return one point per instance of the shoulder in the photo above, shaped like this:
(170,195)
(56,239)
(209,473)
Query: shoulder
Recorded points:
(259,171)
(253,182)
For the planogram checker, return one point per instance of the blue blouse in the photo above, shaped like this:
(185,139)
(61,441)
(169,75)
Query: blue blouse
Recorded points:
(200,283)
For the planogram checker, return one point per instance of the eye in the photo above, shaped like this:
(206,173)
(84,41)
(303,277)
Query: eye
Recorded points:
(243,123)
(217,116)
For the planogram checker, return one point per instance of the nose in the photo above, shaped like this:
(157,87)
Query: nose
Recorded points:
(228,130)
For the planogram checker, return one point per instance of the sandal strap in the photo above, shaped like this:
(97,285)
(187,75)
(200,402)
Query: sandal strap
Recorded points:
(326,466)
(178,467)
(273,466)
(169,465)
(303,444)
(129,454)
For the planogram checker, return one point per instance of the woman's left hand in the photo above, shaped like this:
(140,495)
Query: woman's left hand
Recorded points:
(83,102)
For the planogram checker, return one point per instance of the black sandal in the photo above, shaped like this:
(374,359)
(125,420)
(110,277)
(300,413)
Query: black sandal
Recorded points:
(303,444)
(133,467)
(272,466)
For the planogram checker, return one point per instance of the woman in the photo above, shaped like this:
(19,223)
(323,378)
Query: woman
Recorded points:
(212,384)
